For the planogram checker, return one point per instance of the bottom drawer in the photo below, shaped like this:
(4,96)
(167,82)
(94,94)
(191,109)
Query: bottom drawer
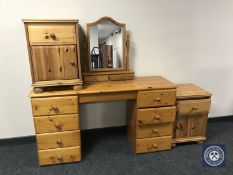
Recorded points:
(153,144)
(60,155)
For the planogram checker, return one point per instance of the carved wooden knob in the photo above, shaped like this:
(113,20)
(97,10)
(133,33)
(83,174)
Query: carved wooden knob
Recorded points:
(53,36)
(155,145)
(157,99)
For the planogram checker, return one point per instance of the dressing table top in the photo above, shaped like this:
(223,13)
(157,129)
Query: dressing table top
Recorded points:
(139,83)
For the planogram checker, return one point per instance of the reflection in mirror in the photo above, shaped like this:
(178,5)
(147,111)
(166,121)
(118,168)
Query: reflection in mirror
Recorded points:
(106,45)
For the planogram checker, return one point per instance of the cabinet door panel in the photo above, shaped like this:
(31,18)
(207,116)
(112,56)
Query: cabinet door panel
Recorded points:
(199,122)
(182,126)
(70,62)
(47,63)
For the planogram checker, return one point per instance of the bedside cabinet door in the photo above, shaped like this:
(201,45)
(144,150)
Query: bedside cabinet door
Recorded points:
(198,127)
(47,62)
(54,62)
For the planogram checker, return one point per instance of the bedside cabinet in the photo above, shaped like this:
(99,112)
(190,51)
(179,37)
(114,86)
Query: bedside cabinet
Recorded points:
(193,105)
(53,47)
(56,120)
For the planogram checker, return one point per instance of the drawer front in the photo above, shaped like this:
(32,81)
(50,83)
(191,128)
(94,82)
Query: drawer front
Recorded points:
(156,98)
(121,77)
(156,130)
(193,106)
(96,78)
(60,155)
(58,140)
(57,123)
(156,115)
(54,105)
(51,34)
(153,144)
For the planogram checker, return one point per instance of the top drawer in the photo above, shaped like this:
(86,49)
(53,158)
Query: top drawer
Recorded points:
(193,106)
(54,105)
(54,34)
(156,98)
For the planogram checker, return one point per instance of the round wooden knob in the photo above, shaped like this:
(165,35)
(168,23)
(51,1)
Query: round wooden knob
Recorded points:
(72,63)
(194,108)
(155,145)
(155,131)
(140,121)
(60,158)
(66,49)
(55,107)
(157,99)
(157,117)
(46,37)
(60,143)
(58,126)
(53,36)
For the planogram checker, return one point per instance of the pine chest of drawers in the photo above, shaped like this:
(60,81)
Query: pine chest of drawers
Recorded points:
(54,54)
(193,105)
(56,120)
(151,120)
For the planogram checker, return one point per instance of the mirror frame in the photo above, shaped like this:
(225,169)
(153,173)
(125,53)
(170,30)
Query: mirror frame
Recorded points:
(125,46)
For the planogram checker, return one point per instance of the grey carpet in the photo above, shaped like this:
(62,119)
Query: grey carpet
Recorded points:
(107,151)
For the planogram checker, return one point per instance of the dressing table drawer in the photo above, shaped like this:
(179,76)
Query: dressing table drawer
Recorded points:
(47,34)
(156,130)
(57,123)
(58,140)
(193,106)
(153,144)
(121,77)
(156,98)
(54,105)
(98,78)
(60,155)
(156,115)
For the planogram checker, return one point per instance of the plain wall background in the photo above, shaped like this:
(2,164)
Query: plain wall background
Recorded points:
(183,40)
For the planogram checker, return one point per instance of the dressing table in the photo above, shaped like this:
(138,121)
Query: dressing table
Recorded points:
(152,101)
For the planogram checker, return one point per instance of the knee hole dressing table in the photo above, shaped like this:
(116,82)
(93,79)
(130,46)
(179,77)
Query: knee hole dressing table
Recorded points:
(160,114)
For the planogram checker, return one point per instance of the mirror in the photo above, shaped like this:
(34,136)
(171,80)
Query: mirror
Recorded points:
(106,50)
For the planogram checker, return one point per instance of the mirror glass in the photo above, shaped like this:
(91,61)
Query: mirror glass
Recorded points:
(106,45)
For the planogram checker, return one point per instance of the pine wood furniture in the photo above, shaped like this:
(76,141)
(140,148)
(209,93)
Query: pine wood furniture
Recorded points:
(53,48)
(193,105)
(106,73)
(56,116)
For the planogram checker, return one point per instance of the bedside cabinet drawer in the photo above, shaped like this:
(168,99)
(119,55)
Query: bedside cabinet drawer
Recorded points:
(54,105)
(57,123)
(156,115)
(60,155)
(156,98)
(156,130)
(58,140)
(193,106)
(153,144)
(51,34)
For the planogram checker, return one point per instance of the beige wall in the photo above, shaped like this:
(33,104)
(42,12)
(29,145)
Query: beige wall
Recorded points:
(183,40)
